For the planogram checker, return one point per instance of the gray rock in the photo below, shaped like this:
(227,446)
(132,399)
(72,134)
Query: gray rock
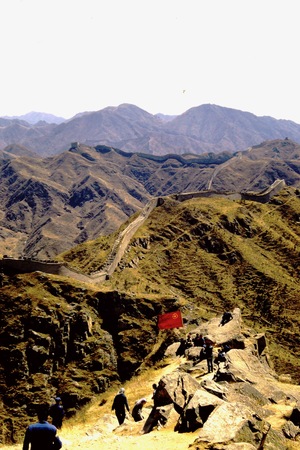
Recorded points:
(225,422)
(231,331)
(235,422)
(290,430)
(215,388)
(243,365)
(197,411)
(181,387)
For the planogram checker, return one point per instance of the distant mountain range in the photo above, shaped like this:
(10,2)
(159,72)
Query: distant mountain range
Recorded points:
(203,129)
(34,117)
(50,204)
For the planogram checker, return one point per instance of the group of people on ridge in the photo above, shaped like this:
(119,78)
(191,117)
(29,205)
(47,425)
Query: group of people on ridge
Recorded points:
(206,345)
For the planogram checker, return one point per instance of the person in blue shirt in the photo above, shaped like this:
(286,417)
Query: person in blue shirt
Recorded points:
(41,435)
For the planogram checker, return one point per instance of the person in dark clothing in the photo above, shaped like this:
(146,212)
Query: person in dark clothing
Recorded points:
(119,404)
(198,340)
(154,387)
(57,413)
(221,356)
(137,410)
(227,317)
(161,396)
(42,434)
(156,417)
(182,348)
(189,341)
(226,348)
(208,352)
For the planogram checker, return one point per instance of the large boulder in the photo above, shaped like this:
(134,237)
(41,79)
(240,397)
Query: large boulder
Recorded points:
(235,422)
(181,387)
(217,389)
(243,365)
(221,334)
(197,411)
(290,430)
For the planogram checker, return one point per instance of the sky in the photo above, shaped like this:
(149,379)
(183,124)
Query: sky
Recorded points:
(64,57)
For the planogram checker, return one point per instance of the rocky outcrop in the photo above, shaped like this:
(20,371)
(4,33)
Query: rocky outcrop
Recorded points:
(231,408)
(49,349)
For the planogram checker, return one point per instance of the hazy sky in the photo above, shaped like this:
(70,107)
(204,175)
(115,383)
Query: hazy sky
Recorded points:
(68,56)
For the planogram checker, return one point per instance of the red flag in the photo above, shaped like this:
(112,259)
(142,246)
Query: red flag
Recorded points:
(170,320)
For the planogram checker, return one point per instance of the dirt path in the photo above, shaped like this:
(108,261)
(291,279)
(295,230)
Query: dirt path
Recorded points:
(128,438)
(101,429)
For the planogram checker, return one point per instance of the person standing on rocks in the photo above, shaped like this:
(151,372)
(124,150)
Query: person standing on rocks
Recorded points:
(182,347)
(57,413)
(221,358)
(119,404)
(226,317)
(156,417)
(208,352)
(189,341)
(42,435)
(154,387)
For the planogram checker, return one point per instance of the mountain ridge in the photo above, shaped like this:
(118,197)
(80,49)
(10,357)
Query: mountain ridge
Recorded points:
(35,117)
(201,129)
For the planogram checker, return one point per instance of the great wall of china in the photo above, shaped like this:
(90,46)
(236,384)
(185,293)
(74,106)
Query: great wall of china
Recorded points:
(15,265)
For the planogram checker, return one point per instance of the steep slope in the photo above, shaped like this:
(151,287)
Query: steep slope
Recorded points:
(57,202)
(61,337)
(270,160)
(13,150)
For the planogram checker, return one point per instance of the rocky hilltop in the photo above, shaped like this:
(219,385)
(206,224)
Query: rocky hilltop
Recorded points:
(239,406)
